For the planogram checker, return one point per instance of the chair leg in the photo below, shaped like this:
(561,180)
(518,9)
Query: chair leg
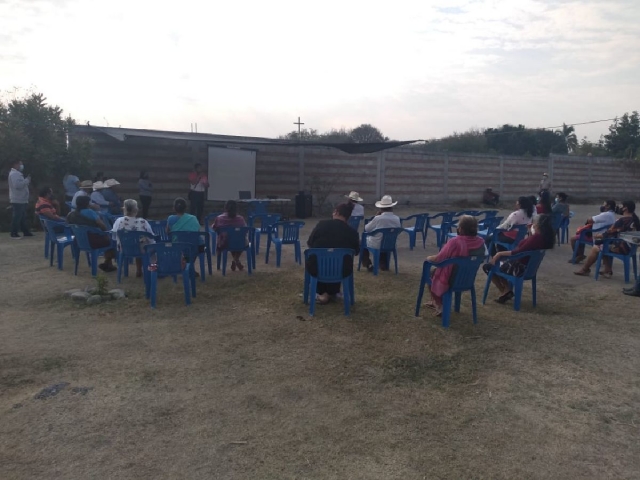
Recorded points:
(209,261)
(224,263)
(266,255)
(352,293)
(94,263)
(50,253)
(625,263)
(446,309)
(312,293)
(305,294)
(185,284)
(517,286)
(298,252)
(376,260)
(458,299)
(395,259)
(257,242)
(251,261)
(153,286)
(419,301)
(486,288)
(473,306)
(60,255)
(202,267)
(533,290)
(346,296)
(598,262)
(120,261)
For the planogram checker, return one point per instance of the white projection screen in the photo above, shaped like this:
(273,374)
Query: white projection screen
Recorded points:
(231,170)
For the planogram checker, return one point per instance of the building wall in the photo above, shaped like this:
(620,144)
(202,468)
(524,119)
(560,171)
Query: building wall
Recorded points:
(409,176)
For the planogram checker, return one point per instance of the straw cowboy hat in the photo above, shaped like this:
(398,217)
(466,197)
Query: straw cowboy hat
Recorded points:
(386,202)
(545,174)
(98,186)
(355,196)
(112,182)
(86,184)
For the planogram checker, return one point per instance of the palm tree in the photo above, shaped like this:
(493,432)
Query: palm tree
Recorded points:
(569,134)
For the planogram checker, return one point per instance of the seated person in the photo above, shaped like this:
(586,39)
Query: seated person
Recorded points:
(130,223)
(544,203)
(85,187)
(385,218)
(544,238)
(606,218)
(83,215)
(182,221)
(561,205)
(521,216)
(490,198)
(358,209)
(48,206)
(98,199)
(628,222)
(465,244)
(335,233)
(108,193)
(229,218)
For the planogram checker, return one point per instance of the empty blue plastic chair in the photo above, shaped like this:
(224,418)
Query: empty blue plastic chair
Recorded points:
(627,259)
(81,236)
(586,238)
(556,222)
(285,233)
(464,277)
(489,213)
(266,221)
(129,247)
(563,232)
(168,259)
(535,258)
(330,263)
(420,226)
(159,228)
(487,227)
(441,229)
(58,236)
(521,233)
(237,240)
(387,245)
(200,249)
(258,207)
(354,221)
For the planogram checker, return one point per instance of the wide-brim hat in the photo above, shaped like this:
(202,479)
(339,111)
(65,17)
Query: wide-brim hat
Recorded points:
(86,184)
(112,182)
(386,202)
(545,174)
(355,196)
(98,186)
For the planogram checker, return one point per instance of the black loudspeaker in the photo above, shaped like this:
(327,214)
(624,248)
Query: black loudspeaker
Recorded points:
(304,205)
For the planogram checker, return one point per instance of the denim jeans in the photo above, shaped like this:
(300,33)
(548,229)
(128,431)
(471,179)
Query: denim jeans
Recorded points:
(19,218)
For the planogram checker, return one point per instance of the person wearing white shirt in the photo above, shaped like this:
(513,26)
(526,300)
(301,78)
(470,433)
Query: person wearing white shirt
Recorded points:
(98,199)
(19,199)
(385,218)
(85,187)
(354,198)
(131,223)
(605,218)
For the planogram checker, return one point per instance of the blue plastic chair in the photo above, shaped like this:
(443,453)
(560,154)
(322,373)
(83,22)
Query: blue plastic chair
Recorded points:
(563,232)
(266,221)
(535,259)
(443,228)
(420,225)
(129,248)
(626,259)
(258,207)
(80,233)
(489,213)
(330,263)
(583,239)
(159,228)
(466,269)
(285,233)
(213,236)
(58,236)
(167,259)
(70,205)
(47,240)
(387,245)
(521,233)
(354,221)
(487,227)
(556,222)
(237,241)
(196,240)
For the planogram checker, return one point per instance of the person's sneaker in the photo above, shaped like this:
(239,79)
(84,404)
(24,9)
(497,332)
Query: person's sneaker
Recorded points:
(16,236)
(632,293)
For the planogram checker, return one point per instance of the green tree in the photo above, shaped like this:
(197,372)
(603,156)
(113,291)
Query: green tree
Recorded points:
(623,139)
(367,133)
(306,135)
(569,134)
(471,141)
(597,149)
(37,134)
(519,140)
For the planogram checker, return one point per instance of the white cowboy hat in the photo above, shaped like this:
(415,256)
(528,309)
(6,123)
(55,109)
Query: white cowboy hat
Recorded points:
(98,186)
(86,184)
(386,202)
(112,182)
(355,196)
(545,174)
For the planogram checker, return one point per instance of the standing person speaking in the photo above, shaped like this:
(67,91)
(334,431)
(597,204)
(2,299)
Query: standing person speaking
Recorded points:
(19,199)
(198,184)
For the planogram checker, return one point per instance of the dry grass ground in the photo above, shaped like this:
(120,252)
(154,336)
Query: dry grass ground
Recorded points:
(244,384)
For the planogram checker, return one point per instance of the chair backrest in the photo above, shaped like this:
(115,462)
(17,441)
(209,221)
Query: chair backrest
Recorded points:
(389,237)
(159,228)
(556,221)
(55,230)
(167,256)
(473,213)
(354,221)
(330,262)
(444,216)
(236,237)
(535,259)
(464,271)
(521,233)
(489,224)
(420,221)
(81,234)
(257,207)
(208,220)
(489,213)
(129,241)
(193,239)
(266,221)
(289,232)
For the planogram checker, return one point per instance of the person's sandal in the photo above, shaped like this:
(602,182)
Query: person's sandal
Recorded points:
(233,266)
(240,266)
(582,273)
(505,298)
(431,305)
(606,275)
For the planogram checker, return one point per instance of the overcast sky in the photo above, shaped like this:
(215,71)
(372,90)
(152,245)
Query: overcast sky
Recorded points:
(414,69)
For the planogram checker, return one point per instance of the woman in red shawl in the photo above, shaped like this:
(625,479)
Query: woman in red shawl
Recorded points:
(466,244)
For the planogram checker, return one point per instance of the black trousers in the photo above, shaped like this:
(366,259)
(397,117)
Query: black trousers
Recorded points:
(145,200)
(197,204)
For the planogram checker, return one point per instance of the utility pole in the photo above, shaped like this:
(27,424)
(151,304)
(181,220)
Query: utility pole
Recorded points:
(299,123)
